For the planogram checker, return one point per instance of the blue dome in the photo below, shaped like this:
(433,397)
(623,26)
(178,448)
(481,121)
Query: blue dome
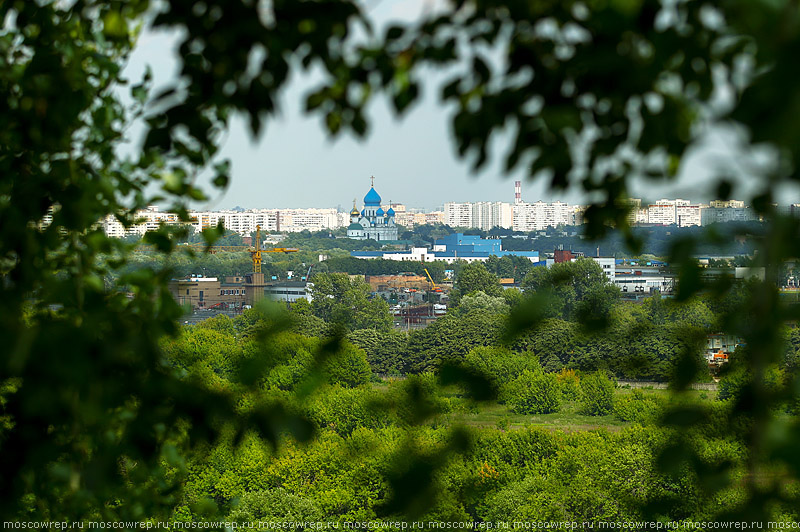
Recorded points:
(390,212)
(379,212)
(363,212)
(372,198)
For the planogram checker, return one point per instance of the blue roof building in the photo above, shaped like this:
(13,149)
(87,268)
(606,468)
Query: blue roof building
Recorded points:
(460,243)
(372,222)
(450,249)
(372,199)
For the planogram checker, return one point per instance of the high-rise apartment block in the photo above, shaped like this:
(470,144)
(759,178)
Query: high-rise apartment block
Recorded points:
(678,212)
(242,222)
(713,215)
(540,215)
(458,214)
(726,204)
(482,215)
(148,219)
(486,215)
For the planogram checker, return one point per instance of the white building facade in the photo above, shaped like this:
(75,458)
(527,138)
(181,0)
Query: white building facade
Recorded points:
(540,215)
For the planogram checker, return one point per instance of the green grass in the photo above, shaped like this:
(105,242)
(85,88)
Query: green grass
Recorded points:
(568,418)
(698,395)
(497,415)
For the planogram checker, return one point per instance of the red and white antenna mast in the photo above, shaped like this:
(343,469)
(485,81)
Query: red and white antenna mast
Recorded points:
(517,192)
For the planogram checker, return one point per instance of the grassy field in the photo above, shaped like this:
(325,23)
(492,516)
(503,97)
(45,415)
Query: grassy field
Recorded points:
(569,418)
(499,416)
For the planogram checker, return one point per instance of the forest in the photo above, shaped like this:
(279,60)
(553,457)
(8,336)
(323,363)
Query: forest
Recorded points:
(546,437)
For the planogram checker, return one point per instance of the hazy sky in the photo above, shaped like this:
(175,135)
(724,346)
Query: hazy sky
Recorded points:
(294,164)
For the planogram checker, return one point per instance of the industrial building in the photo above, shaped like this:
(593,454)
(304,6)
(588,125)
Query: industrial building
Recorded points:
(200,292)
(451,248)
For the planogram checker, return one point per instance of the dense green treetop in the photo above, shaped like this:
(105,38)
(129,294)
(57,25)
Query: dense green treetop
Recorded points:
(573,290)
(341,300)
(474,277)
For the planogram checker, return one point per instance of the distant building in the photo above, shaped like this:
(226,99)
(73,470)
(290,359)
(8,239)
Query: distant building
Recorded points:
(688,215)
(678,212)
(634,205)
(464,244)
(458,214)
(726,204)
(715,214)
(488,215)
(435,217)
(719,347)
(385,283)
(661,213)
(372,222)
(539,216)
(148,219)
(609,266)
(239,221)
(288,291)
(483,215)
(201,292)
(450,249)
(631,280)
(562,255)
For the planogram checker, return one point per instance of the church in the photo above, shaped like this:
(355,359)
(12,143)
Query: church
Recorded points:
(372,222)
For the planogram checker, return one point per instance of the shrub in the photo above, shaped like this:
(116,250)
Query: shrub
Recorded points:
(637,407)
(737,380)
(501,365)
(570,384)
(274,505)
(348,366)
(534,393)
(417,398)
(597,394)
(345,409)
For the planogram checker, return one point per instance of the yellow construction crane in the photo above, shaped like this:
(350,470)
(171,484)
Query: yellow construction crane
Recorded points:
(434,288)
(255,251)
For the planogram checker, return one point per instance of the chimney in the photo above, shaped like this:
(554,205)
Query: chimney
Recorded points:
(517,192)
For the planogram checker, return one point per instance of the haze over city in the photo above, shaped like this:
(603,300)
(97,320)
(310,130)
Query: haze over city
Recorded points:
(294,164)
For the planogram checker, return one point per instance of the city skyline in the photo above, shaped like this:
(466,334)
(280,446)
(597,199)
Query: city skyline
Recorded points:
(372,221)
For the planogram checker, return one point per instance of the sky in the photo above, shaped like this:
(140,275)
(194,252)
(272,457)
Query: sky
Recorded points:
(294,164)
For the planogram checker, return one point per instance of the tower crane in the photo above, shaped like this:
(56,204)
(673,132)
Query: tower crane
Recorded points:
(255,250)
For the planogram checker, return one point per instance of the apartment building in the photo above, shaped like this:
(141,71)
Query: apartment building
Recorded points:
(458,214)
(487,215)
(678,212)
(148,219)
(539,216)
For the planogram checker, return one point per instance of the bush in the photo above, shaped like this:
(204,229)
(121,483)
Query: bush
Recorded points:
(637,407)
(348,366)
(570,384)
(597,394)
(501,365)
(737,380)
(274,505)
(345,409)
(534,393)
(417,398)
